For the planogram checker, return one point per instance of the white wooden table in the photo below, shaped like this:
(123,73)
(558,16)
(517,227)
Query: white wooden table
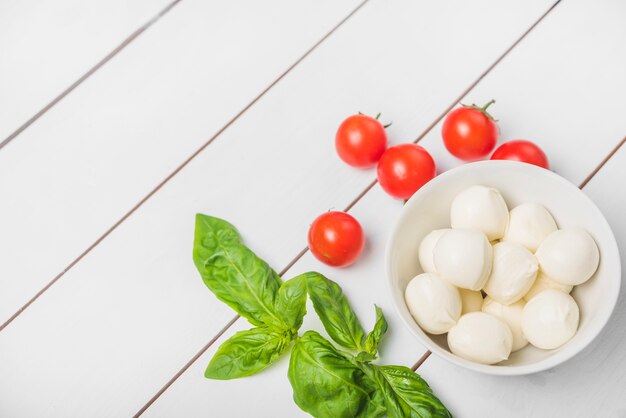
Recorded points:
(122,119)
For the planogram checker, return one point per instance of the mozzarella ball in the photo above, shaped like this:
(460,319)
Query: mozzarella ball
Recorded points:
(512,316)
(529,225)
(513,273)
(463,257)
(434,303)
(550,319)
(481,208)
(569,256)
(481,337)
(543,282)
(426,250)
(471,301)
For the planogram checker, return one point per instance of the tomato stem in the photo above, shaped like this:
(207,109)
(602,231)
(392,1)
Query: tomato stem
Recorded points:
(489,103)
(384,126)
(377,117)
(483,109)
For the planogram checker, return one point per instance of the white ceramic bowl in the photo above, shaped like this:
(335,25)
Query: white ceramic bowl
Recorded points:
(429,209)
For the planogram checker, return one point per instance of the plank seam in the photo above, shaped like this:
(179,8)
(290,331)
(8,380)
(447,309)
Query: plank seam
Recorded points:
(602,163)
(421,360)
(187,365)
(129,39)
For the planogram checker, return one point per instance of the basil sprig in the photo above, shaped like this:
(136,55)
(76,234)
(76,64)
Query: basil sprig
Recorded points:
(327,382)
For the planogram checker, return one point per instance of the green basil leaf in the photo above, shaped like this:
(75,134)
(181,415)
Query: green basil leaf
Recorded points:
(246,353)
(326,383)
(333,308)
(373,338)
(234,273)
(407,394)
(291,302)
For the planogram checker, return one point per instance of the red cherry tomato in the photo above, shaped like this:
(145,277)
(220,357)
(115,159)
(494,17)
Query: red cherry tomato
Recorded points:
(404,168)
(336,239)
(521,150)
(360,141)
(469,132)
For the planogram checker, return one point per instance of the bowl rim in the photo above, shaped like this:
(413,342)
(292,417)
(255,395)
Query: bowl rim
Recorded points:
(508,370)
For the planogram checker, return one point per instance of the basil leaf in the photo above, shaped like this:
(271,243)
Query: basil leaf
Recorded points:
(407,394)
(333,308)
(327,384)
(246,353)
(291,302)
(234,273)
(373,338)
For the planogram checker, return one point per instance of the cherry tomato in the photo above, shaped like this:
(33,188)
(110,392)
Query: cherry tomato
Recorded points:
(404,168)
(521,150)
(469,132)
(336,239)
(360,141)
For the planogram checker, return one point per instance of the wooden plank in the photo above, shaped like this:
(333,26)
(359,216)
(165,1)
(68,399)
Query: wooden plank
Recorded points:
(122,321)
(46,46)
(590,384)
(91,158)
(467,393)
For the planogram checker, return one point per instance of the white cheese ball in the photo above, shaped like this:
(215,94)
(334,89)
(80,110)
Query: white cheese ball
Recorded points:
(481,337)
(434,303)
(513,273)
(512,316)
(550,319)
(463,257)
(471,301)
(529,225)
(543,282)
(481,208)
(426,250)
(569,256)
